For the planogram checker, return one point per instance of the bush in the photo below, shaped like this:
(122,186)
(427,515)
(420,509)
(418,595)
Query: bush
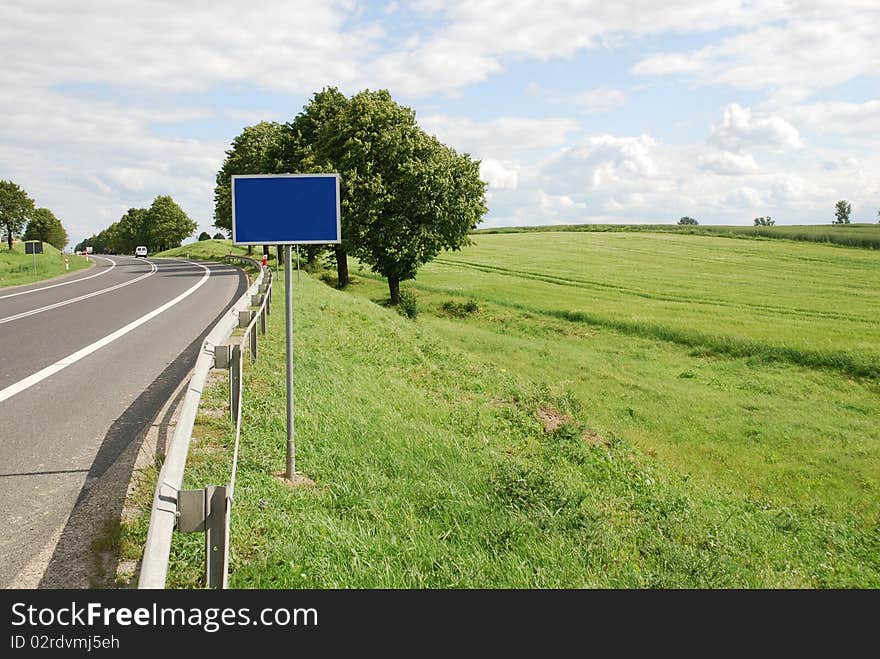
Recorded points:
(409,305)
(460,310)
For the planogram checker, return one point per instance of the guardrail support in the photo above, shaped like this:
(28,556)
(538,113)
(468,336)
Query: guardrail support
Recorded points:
(234,380)
(215,535)
(204,511)
(253,342)
(263,314)
(221,356)
(244,317)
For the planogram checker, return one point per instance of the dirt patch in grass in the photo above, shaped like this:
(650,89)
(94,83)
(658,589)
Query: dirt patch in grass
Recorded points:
(551,418)
(593,438)
(298,480)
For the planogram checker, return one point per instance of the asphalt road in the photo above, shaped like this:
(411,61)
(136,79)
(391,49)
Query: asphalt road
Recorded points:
(85,367)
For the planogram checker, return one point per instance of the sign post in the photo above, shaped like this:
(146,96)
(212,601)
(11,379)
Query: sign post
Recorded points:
(285,210)
(33,247)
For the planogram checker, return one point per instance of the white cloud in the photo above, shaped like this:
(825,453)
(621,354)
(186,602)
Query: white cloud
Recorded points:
(804,47)
(600,100)
(602,161)
(499,175)
(499,138)
(740,129)
(858,120)
(727,163)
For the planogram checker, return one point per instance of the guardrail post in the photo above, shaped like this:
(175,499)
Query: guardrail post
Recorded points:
(253,342)
(215,535)
(221,356)
(263,313)
(244,317)
(234,380)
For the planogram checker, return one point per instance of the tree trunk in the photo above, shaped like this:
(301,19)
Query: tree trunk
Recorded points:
(278,253)
(394,289)
(341,267)
(9,240)
(250,249)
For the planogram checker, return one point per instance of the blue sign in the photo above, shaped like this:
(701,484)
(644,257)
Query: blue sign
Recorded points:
(285,209)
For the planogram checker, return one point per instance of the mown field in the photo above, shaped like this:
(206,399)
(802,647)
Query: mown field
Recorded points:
(611,410)
(17,268)
(862,234)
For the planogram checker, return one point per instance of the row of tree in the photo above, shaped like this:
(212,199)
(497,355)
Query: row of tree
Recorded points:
(161,226)
(405,196)
(842,211)
(19,212)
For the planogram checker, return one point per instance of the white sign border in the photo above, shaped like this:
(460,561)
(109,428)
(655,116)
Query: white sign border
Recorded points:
(296,242)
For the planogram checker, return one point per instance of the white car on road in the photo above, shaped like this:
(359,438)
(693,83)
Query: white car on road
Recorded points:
(140,250)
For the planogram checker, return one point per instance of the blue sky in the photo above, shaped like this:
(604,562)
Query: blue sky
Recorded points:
(631,111)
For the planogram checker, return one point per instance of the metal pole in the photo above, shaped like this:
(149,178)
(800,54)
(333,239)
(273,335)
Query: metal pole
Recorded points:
(288,309)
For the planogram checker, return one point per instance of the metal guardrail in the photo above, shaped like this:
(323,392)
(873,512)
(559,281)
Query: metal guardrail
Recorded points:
(207,510)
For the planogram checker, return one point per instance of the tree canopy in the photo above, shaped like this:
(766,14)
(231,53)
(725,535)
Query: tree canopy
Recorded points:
(685,221)
(46,227)
(842,211)
(404,195)
(15,209)
(162,226)
(167,224)
(247,155)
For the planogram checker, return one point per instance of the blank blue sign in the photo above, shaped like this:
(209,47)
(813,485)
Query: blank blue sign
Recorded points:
(285,209)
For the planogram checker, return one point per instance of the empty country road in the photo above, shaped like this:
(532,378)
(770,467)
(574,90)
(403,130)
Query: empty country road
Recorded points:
(86,364)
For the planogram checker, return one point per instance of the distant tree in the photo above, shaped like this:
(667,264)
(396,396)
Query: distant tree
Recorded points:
(167,224)
(764,222)
(406,196)
(204,235)
(842,211)
(219,236)
(688,221)
(44,226)
(15,209)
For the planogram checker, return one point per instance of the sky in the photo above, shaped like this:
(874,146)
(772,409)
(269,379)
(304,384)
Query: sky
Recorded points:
(630,111)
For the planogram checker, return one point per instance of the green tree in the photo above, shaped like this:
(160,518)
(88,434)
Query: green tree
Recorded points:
(405,195)
(46,227)
(246,155)
(204,235)
(764,221)
(219,236)
(841,212)
(301,147)
(167,224)
(130,231)
(15,209)
(687,221)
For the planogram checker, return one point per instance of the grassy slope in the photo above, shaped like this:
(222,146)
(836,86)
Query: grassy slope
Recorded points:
(794,302)
(851,235)
(433,469)
(211,250)
(17,268)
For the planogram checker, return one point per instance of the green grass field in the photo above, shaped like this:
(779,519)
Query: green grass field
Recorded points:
(850,235)
(542,439)
(17,268)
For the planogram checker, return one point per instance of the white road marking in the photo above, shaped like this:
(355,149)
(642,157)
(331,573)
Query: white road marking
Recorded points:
(64,283)
(63,303)
(71,359)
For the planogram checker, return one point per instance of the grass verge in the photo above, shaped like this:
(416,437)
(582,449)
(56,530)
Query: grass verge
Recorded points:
(17,268)
(500,449)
